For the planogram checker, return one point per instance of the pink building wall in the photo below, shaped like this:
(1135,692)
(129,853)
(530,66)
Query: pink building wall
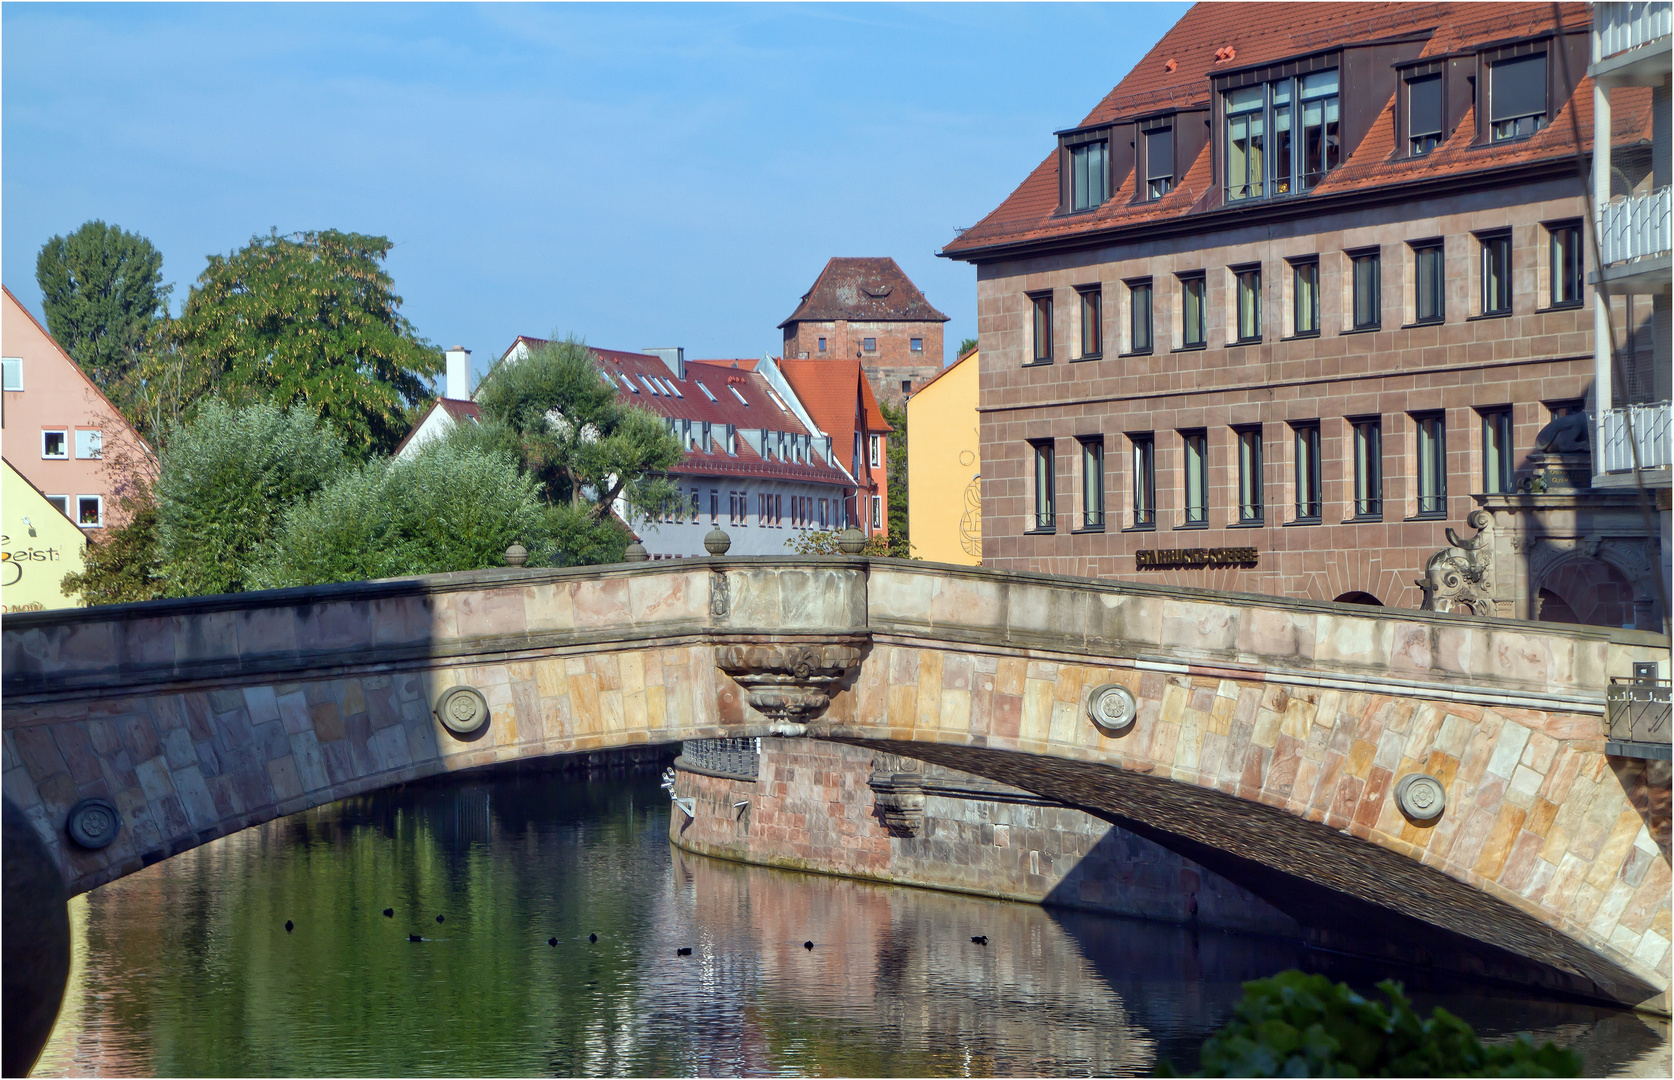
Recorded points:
(56,397)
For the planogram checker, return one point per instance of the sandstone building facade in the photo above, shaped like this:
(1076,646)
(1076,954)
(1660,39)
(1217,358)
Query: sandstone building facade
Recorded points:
(1295,298)
(868,310)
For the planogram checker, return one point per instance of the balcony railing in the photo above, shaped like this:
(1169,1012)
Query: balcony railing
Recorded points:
(1651,429)
(1637,711)
(728,757)
(1637,226)
(1622,27)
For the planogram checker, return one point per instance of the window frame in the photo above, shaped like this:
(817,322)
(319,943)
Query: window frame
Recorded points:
(1044,468)
(1284,172)
(1134,288)
(1252,494)
(1499,450)
(1143,452)
(915,344)
(874,451)
(1366,436)
(1157,185)
(1372,257)
(1194,440)
(1496,297)
(1308,265)
(1421,251)
(1557,268)
(1492,121)
(1309,504)
(1092,483)
(11,371)
(1242,276)
(1187,282)
(1436,138)
(98,510)
(61,503)
(1091,296)
(1082,186)
(1040,314)
(63,435)
(1435,476)
(877,513)
(869,344)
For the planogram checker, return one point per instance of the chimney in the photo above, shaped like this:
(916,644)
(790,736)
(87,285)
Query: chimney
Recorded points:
(458,387)
(675,358)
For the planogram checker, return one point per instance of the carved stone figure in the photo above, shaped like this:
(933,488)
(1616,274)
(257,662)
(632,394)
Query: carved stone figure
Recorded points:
(1570,434)
(1460,577)
(898,795)
(790,682)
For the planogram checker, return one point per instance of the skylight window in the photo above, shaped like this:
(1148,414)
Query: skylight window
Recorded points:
(605,375)
(777,400)
(739,396)
(651,385)
(628,383)
(705,390)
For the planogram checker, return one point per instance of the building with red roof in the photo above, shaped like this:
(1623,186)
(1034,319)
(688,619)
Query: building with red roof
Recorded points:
(1299,294)
(867,309)
(839,398)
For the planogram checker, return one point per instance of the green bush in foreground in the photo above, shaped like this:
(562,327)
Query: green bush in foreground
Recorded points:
(1295,1024)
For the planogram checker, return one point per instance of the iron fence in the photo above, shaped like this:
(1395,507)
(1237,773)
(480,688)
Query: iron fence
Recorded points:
(1638,709)
(738,758)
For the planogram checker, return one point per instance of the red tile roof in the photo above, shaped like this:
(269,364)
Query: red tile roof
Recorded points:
(863,290)
(838,396)
(1176,73)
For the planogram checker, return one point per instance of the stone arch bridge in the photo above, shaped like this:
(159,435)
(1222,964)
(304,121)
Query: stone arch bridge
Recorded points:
(1269,739)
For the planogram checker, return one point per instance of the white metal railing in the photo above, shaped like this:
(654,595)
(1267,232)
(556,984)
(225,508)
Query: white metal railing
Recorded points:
(1651,430)
(1636,226)
(1621,27)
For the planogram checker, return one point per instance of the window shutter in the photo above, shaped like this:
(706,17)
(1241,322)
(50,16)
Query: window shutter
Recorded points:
(1517,88)
(1159,154)
(1424,106)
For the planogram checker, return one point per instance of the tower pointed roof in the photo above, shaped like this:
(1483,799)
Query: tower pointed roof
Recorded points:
(863,290)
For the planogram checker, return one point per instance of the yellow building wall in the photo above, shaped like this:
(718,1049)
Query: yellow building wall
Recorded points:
(40,546)
(944,467)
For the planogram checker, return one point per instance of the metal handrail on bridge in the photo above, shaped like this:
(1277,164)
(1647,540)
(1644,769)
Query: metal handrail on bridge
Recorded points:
(1637,717)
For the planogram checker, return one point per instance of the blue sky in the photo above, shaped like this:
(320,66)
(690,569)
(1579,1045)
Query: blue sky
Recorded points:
(636,174)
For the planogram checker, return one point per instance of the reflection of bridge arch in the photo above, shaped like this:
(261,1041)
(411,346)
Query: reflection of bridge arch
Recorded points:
(1269,737)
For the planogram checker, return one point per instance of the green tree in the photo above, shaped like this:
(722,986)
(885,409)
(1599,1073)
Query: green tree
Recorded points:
(226,479)
(576,434)
(105,300)
(1295,1024)
(900,537)
(310,317)
(965,346)
(122,566)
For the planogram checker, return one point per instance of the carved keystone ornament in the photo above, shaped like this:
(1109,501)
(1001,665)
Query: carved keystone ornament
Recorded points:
(791,682)
(1112,709)
(93,823)
(462,710)
(1420,796)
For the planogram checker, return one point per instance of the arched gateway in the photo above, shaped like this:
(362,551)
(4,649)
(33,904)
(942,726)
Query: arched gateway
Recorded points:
(1444,772)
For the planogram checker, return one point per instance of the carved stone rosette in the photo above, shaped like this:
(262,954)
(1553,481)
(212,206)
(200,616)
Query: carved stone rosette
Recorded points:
(790,682)
(1460,577)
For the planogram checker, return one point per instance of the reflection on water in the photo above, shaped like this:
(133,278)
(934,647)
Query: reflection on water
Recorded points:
(186,967)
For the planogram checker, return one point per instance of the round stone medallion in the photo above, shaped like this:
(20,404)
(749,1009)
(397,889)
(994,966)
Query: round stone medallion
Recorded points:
(93,823)
(1112,709)
(462,710)
(1420,796)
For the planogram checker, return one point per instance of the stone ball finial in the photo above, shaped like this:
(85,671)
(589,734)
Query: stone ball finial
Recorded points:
(851,541)
(636,553)
(717,542)
(517,555)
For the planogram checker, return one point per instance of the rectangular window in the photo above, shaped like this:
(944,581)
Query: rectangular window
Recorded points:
(1196,446)
(915,344)
(714,506)
(1193,327)
(1309,481)
(1159,162)
(55,445)
(1432,463)
(1092,316)
(1092,483)
(822,344)
(869,344)
(61,503)
(1088,175)
(1567,265)
(874,451)
(877,512)
(12,367)
(1368,291)
(1305,297)
(1424,114)
(1043,329)
(1429,284)
(1249,476)
(697,508)
(825,511)
(1496,452)
(1139,317)
(1045,519)
(1281,137)
(1368,467)
(1517,97)
(1496,275)
(1249,304)
(90,511)
(1144,481)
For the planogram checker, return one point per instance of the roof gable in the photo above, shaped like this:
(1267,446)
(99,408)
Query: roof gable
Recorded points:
(863,290)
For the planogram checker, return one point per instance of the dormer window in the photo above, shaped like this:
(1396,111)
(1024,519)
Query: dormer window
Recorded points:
(1425,119)
(1282,136)
(1159,162)
(1517,97)
(1089,174)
